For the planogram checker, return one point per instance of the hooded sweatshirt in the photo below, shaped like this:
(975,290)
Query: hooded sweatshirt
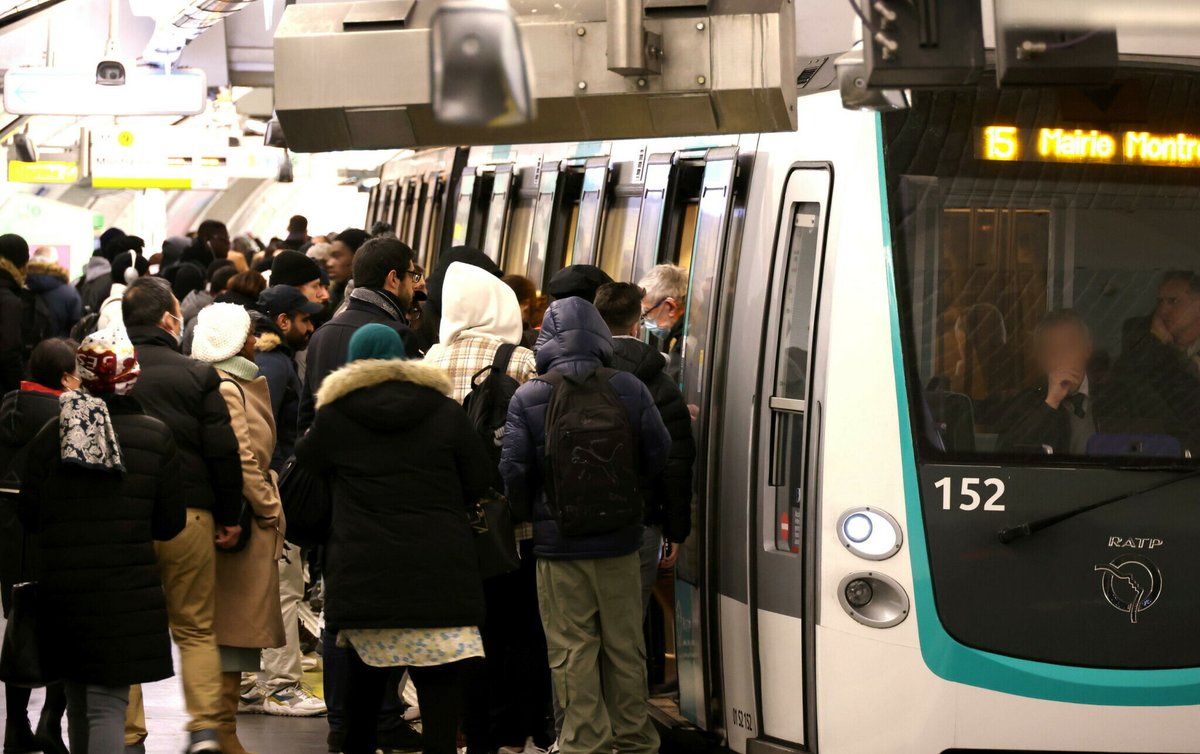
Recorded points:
(479,313)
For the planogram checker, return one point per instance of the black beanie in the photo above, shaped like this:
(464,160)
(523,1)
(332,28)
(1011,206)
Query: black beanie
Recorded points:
(293,268)
(352,237)
(14,249)
(582,280)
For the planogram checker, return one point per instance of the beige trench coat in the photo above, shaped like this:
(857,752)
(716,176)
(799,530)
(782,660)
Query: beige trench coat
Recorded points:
(248,612)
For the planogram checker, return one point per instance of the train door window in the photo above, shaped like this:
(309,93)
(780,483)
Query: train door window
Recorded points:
(397,208)
(433,219)
(470,212)
(543,220)
(789,395)
(687,236)
(373,205)
(408,214)
(659,171)
(493,241)
(520,228)
(620,235)
(590,215)
(385,203)
(556,217)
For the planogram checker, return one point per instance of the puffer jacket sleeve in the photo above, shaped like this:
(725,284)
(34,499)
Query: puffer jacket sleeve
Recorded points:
(257,487)
(517,456)
(678,477)
(170,512)
(220,450)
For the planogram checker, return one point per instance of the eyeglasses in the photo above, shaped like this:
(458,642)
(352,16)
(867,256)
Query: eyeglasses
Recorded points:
(646,312)
(417,275)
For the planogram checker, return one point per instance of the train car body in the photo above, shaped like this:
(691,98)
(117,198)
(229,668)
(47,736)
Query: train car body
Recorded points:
(832,271)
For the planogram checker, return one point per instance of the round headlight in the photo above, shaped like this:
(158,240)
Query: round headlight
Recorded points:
(869,533)
(859,593)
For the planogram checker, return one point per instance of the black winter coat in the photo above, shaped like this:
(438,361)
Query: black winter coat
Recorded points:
(185,395)
(23,413)
(12,359)
(104,613)
(276,362)
(669,497)
(407,465)
(331,342)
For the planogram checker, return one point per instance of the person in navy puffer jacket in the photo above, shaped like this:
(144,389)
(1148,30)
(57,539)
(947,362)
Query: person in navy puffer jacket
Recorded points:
(588,587)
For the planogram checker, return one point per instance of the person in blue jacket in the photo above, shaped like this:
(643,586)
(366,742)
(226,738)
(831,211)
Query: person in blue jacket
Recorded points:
(589,589)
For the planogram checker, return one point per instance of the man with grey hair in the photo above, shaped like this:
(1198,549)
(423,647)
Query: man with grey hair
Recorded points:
(663,310)
(1058,414)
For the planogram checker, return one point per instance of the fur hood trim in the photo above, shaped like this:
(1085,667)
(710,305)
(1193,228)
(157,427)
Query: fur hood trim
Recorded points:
(268,341)
(49,269)
(6,265)
(372,372)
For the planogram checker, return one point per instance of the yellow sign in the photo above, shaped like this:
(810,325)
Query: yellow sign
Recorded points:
(1089,145)
(125,138)
(42,172)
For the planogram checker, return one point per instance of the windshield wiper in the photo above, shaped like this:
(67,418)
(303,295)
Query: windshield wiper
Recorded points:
(1013,533)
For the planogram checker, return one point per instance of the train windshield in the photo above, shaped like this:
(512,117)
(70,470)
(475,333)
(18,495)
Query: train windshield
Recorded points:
(1047,247)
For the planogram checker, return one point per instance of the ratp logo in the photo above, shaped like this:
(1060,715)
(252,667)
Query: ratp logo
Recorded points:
(1131,584)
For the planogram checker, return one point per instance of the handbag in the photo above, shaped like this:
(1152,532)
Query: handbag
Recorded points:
(21,654)
(307,504)
(495,542)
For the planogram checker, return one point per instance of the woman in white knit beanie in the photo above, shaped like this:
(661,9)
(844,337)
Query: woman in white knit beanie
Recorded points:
(248,615)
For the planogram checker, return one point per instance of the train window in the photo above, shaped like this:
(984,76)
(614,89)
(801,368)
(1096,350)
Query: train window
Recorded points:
(397,208)
(432,220)
(659,172)
(470,211)
(555,218)
(516,248)
(789,398)
(682,254)
(405,222)
(373,205)
(493,240)
(589,216)
(620,235)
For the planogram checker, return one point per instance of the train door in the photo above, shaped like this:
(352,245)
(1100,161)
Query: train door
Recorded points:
(555,220)
(520,228)
(590,218)
(373,205)
(696,631)
(789,432)
(470,211)
(619,239)
(404,224)
(497,214)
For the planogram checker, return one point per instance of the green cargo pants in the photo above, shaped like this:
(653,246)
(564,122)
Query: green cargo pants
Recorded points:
(592,613)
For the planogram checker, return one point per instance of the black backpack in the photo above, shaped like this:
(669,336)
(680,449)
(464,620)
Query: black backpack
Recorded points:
(487,404)
(37,321)
(591,456)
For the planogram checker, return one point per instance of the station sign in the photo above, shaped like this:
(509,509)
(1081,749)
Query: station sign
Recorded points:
(163,157)
(1080,145)
(43,171)
(57,91)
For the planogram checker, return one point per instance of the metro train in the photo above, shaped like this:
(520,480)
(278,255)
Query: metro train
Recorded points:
(863,292)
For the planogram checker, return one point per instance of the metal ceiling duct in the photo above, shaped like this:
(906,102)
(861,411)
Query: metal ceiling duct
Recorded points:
(172,32)
(357,75)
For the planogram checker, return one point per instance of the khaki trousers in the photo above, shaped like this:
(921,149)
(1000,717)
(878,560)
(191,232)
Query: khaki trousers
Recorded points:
(284,666)
(188,567)
(592,614)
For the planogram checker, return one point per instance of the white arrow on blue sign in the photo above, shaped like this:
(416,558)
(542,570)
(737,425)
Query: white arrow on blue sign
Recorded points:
(56,91)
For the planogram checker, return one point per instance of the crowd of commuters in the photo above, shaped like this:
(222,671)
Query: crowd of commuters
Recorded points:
(141,465)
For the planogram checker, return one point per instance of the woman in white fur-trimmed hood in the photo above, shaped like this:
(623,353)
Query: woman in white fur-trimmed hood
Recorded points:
(401,571)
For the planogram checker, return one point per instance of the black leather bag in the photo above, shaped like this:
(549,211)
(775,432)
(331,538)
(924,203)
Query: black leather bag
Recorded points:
(21,654)
(495,542)
(307,505)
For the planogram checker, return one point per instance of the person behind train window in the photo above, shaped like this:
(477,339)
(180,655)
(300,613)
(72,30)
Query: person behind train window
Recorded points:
(588,585)
(527,296)
(100,486)
(386,275)
(1059,413)
(663,310)
(23,413)
(987,367)
(14,256)
(185,395)
(406,467)
(247,617)
(341,263)
(1160,363)
(668,498)
(479,315)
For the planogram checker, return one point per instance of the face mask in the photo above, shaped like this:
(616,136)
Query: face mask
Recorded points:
(654,334)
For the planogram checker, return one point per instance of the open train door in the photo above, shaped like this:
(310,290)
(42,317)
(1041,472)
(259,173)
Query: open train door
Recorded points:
(790,416)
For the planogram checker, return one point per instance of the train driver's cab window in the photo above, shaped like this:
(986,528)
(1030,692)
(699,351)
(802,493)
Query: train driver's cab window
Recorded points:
(1052,310)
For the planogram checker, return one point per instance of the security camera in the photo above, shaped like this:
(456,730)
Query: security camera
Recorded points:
(110,73)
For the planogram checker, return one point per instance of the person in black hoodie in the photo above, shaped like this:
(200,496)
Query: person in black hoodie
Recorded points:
(23,413)
(14,256)
(407,466)
(668,497)
(100,485)
(385,276)
(185,395)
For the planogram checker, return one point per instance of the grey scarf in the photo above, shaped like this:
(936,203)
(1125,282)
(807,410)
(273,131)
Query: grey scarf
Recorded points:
(376,298)
(86,434)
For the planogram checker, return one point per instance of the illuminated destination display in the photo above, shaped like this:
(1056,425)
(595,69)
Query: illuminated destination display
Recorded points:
(1089,145)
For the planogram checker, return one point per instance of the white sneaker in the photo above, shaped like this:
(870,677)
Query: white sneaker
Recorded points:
(250,700)
(294,701)
(553,748)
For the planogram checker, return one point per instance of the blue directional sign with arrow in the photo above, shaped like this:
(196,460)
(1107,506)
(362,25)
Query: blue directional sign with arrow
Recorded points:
(57,91)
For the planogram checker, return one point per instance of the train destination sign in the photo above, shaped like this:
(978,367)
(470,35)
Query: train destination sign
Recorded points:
(1012,144)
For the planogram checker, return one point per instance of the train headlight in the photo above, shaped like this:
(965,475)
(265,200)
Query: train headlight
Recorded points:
(859,593)
(869,533)
(873,599)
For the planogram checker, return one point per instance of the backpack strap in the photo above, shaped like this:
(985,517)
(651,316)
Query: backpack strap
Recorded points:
(503,357)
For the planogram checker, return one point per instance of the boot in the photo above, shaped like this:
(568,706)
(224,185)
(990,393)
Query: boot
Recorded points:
(231,688)
(18,737)
(49,729)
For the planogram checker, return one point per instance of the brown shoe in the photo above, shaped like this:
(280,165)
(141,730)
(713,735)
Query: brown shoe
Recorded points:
(231,688)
